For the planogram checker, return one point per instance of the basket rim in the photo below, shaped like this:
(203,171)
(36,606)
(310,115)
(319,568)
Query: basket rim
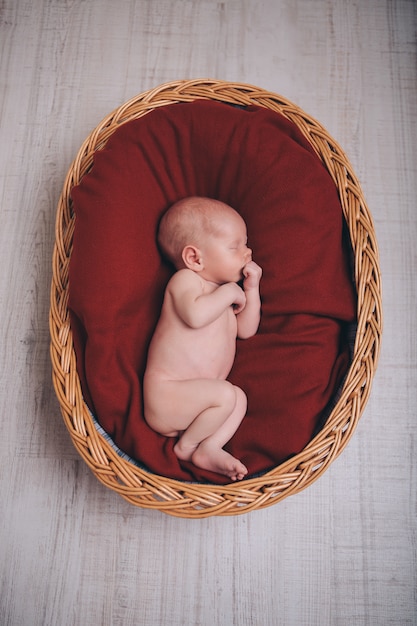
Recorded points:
(142,487)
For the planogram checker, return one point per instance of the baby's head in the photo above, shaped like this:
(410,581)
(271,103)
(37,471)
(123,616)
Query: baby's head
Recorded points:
(188,222)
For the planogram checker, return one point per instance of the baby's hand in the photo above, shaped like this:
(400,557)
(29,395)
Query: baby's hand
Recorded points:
(252,275)
(239,301)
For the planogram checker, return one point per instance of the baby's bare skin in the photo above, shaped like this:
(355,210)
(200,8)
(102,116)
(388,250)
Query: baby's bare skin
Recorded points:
(186,393)
(177,349)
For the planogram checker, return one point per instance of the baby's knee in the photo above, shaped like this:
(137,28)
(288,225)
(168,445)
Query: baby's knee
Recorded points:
(241,399)
(228,397)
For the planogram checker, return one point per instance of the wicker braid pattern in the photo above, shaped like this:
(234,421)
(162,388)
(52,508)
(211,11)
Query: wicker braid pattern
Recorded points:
(190,500)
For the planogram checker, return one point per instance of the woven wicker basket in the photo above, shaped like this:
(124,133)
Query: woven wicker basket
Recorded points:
(192,500)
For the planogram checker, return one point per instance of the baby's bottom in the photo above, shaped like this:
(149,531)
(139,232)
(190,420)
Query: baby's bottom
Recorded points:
(205,413)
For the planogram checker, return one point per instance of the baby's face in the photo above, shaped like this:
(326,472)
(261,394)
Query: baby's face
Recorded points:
(226,253)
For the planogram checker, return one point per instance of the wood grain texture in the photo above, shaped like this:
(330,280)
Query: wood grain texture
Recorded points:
(72,552)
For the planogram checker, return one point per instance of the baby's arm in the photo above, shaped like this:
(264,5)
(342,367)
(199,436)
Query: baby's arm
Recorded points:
(196,308)
(248,319)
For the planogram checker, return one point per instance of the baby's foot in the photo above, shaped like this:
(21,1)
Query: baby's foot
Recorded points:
(184,453)
(219,461)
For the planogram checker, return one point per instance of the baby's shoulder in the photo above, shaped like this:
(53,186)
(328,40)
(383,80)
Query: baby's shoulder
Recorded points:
(184,279)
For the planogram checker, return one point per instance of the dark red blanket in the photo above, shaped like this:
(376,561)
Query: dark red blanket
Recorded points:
(258,162)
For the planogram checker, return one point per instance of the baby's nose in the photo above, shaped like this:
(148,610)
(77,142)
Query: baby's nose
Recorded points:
(248,254)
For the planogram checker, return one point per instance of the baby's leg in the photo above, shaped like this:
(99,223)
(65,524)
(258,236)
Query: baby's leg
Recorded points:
(210,454)
(198,409)
(211,402)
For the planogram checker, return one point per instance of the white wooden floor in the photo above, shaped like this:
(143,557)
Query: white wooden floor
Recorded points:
(341,553)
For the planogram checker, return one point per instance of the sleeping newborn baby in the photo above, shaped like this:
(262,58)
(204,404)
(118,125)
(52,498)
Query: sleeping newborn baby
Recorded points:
(186,394)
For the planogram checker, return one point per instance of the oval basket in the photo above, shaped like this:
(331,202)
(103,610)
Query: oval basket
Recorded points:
(138,486)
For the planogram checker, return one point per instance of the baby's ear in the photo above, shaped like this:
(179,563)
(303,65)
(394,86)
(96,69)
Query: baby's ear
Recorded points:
(192,258)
